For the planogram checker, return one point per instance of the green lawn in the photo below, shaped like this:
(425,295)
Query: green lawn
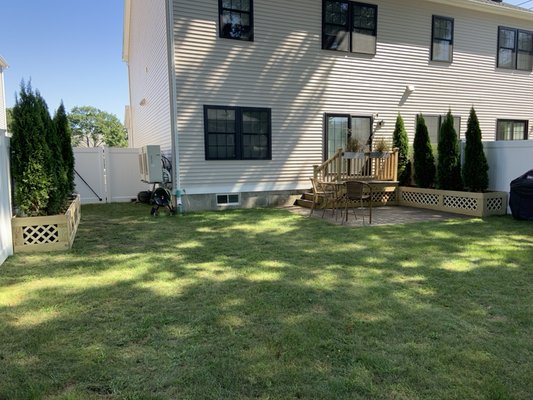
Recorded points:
(265,304)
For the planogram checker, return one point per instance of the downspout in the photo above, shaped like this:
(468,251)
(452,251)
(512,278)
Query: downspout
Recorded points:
(176,186)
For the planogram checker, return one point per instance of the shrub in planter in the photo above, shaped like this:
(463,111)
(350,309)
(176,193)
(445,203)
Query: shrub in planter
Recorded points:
(424,161)
(475,167)
(63,132)
(37,157)
(30,155)
(400,141)
(449,164)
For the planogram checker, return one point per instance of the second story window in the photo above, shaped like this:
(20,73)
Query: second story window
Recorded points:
(349,26)
(442,39)
(515,49)
(236,19)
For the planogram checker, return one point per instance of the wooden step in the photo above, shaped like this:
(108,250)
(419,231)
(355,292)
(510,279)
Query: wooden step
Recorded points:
(303,203)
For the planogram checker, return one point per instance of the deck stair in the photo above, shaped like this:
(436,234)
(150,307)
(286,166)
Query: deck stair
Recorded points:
(384,193)
(380,172)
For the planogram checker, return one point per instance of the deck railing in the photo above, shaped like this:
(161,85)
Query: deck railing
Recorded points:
(364,167)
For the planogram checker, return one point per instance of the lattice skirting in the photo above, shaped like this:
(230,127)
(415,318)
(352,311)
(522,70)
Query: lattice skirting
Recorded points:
(54,232)
(468,203)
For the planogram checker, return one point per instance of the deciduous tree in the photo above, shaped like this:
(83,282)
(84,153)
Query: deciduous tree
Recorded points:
(92,127)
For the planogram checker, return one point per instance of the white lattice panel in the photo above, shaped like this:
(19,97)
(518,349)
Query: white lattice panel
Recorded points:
(462,203)
(420,198)
(495,204)
(40,234)
(383,197)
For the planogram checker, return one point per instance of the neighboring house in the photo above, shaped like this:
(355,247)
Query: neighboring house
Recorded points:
(248,95)
(6,245)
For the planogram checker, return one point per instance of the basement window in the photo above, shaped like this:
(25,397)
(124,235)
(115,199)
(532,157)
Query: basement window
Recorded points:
(228,199)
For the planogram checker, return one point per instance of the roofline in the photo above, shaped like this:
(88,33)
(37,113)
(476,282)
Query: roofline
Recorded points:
(491,8)
(3,63)
(126,32)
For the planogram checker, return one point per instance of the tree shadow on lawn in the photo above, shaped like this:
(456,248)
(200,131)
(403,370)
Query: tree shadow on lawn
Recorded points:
(249,309)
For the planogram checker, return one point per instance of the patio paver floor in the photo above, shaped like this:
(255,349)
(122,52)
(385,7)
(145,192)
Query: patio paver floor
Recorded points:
(387,215)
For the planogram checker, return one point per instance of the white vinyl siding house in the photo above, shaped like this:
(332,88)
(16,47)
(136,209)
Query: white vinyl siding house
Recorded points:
(286,70)
(6,245)
(148,67)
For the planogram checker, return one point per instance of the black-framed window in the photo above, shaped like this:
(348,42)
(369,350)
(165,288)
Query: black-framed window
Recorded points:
(349,26)
(442,39)
(339,127)
(236,19)
(237,133)
(508,129)
(515,49)
(434,123)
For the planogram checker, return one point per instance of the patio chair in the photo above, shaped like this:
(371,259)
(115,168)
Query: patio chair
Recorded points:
(323,197)
(357,191)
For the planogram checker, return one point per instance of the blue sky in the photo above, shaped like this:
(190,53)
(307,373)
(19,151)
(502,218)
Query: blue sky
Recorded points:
(71,50)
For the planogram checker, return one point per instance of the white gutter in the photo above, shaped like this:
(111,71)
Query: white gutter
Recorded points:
(3,63)
(490,7)
(173,97)
(126,31)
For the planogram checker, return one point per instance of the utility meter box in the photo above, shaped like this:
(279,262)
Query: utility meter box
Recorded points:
(150,163)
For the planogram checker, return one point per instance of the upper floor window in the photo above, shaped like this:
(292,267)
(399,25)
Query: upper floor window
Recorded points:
(237,133)
(349,26)
(507,129)
(236,19)
(515,49)
(442,39)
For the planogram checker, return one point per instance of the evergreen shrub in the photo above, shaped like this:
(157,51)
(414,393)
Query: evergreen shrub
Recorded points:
(424,161)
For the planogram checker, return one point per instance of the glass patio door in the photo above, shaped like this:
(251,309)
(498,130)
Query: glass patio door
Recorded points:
(336,133)
(340,126)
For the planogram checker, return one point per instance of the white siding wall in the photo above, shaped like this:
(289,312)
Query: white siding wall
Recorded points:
(286,70)
(148,74)
(3,122)
(6,245)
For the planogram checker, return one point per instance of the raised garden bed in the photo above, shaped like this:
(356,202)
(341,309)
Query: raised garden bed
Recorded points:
(467,203)
(48,233)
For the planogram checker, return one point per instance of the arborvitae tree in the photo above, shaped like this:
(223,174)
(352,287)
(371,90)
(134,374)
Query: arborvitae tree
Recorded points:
(29,153)
(63,133)
(424,161)
(449,164)
(475,167)
(399,140)
(53,160)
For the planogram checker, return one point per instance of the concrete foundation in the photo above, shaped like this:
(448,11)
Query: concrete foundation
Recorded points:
(201,202)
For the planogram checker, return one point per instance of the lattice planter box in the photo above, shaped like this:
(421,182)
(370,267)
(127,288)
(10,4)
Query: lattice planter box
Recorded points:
(48,233)
(467,203)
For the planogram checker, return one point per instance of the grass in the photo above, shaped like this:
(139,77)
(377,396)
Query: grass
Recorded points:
(265,304)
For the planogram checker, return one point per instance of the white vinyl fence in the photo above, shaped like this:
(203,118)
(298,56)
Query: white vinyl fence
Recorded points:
(106,174)
(508,159)
(6,244)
